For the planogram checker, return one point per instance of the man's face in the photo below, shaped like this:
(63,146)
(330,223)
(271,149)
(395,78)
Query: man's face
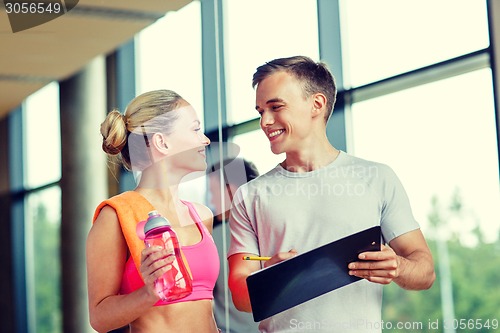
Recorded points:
(285,113)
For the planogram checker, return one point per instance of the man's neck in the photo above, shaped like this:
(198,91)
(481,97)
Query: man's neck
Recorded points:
(310,161)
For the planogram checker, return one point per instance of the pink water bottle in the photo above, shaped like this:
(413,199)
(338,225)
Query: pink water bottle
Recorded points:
(176,282)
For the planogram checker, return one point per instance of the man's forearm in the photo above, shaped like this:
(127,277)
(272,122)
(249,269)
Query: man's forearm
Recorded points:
(416,272)
(239,292)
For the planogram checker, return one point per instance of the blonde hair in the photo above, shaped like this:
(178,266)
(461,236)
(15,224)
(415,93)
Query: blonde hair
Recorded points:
(127,136)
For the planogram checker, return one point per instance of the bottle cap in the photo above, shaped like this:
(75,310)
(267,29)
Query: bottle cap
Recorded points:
(155,220)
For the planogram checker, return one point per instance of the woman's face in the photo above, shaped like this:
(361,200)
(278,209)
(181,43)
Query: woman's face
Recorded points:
(187,142)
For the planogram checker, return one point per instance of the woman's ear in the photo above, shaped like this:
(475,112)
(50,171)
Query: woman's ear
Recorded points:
(319,104)
(159,142)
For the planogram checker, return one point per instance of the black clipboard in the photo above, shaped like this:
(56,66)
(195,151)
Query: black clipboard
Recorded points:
(308,275)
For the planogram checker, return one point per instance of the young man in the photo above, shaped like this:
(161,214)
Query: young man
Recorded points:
(316,195)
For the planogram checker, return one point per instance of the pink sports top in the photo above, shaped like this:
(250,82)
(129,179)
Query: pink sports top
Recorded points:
(203,261)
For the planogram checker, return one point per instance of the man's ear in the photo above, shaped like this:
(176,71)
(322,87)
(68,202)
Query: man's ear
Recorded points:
(159,142)
(319,104)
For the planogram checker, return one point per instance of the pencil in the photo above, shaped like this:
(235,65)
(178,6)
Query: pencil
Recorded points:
(255,258)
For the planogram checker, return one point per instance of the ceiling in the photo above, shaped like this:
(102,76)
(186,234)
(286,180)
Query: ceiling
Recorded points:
(53,51)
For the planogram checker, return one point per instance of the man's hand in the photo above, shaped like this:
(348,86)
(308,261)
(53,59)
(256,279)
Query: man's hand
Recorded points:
(279,257)
(408,262)
(376,266)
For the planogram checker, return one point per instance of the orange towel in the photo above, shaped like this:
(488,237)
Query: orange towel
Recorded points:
(131,208)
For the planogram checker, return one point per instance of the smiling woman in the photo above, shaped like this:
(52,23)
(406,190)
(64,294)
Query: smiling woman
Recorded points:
(159,135)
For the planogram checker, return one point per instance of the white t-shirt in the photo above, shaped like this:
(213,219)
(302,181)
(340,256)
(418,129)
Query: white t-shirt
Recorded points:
(284,210)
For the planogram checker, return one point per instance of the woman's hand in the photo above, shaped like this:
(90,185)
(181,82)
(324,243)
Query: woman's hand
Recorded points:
(155,261)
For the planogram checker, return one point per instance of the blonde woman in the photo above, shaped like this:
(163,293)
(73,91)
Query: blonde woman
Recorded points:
(159,136)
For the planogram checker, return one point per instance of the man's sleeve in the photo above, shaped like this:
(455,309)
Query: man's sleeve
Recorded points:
(241,225)
(397,217)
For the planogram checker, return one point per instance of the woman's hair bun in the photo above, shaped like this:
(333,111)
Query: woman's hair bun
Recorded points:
(114,133)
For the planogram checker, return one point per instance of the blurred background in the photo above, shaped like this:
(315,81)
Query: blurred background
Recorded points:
(418,90)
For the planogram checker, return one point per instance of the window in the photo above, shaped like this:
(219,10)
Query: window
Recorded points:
(167,59)
(437,143)
(42,169)
(43,265)
(43,137)
(386,37)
